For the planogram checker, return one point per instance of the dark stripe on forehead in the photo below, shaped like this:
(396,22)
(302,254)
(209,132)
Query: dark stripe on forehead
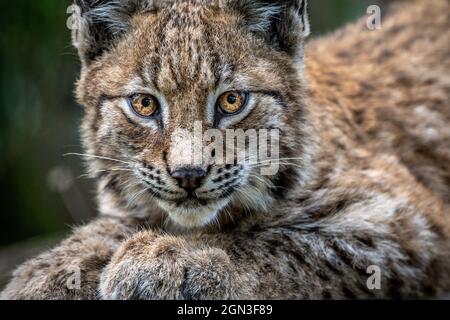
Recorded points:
(156,60)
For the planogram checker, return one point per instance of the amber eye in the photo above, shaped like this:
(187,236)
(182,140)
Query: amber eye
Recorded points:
(145,105)
(232,101)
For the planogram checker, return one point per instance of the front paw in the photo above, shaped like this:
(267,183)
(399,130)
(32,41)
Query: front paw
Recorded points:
(162,267)
(53,276)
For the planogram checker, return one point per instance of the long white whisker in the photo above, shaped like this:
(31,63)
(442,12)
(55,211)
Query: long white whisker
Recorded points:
(89,175)
(112,170)
(275,160)
(279,163)
(228,213)
(292,158)
(247,197)
(96,157)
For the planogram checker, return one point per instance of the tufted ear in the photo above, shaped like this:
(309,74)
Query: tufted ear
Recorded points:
(97,24)
(284,23)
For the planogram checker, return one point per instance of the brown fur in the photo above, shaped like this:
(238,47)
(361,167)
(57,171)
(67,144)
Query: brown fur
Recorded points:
(368,118)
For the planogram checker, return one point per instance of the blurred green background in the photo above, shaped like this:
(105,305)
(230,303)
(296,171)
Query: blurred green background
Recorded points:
(41,193)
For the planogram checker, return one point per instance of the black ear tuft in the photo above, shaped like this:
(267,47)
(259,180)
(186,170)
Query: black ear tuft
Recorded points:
(99,23)
(284,24)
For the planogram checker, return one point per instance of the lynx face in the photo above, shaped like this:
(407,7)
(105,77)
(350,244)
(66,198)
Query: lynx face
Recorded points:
(170,66)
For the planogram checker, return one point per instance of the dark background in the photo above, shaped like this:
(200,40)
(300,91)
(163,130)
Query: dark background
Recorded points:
(42,192)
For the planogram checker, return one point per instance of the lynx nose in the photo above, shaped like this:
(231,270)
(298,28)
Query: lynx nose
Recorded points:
(189,178)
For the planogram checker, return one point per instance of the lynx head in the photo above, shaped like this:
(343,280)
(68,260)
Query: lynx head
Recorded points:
(155,71)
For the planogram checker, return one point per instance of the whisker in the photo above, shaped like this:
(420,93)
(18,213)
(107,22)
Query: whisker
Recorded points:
(274,160)
(91,175)
(97,157)
(295,158)
(279,163)
(228,213)
(112,170)
(260,179)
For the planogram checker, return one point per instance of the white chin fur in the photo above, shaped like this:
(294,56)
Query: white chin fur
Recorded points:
(193,217)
